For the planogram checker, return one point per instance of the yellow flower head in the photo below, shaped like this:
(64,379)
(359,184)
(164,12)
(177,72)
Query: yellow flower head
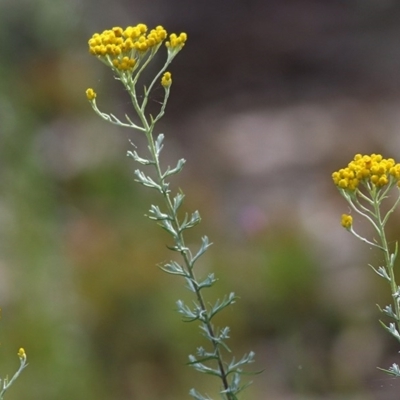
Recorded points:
(347,221)
(166,80)
(176,42)
(368,170)
(21,354)
(90,94)
(123,48)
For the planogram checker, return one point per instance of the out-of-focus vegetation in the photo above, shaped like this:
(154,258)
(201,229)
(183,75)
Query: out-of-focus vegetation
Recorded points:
(283,94)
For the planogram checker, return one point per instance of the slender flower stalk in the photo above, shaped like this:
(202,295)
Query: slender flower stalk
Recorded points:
(365,184)
(6,383)
(128,52)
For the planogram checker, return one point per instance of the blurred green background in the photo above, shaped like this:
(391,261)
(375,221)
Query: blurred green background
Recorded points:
(269,97)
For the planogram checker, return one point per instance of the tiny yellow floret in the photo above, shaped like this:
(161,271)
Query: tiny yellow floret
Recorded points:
(21,353)
(90,94)
(347,221)
(166,80)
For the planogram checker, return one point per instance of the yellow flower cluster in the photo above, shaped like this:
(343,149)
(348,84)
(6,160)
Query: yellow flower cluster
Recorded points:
(373,169)
(21,353)
(176,41)
(347,221)
(90,94)
(123,47)
(166,80)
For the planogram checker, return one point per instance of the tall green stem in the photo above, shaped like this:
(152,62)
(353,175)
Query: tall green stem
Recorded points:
(180,242)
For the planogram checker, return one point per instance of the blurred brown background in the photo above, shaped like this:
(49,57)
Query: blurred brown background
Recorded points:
(269,97)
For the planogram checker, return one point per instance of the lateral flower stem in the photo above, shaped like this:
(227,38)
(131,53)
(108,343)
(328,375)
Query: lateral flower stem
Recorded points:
(351,201)
(391,210)
(359,204)
(163,106)
(153,52)
(113,119)
(363,239)
(156,79)
(5,383)
(363,196)
(130,84)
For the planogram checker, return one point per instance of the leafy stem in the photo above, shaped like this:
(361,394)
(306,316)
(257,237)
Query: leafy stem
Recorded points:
(188,263)
(390,258)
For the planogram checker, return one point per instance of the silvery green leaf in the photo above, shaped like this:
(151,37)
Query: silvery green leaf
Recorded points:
(235,388)
(191,284)
(176,170)
(179,248)
(189,314)
(173,268)
(208,282)
(220,305)
(205,244)
(206,332)
(186,311)
(156,214)
(196,395)
(246,359)
(201,352)
(393,370)
(178,200)
(139,159)
(204,357)
(166,224)
(381,271)
(165,187)
(196,364)
(388,310)
(218,338)
(158,143)
(146,180)
(224,333)
(194,220)
(391,329)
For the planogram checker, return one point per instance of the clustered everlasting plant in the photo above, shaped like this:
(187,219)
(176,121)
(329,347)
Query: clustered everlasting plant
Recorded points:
(128,52)
(365,184)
